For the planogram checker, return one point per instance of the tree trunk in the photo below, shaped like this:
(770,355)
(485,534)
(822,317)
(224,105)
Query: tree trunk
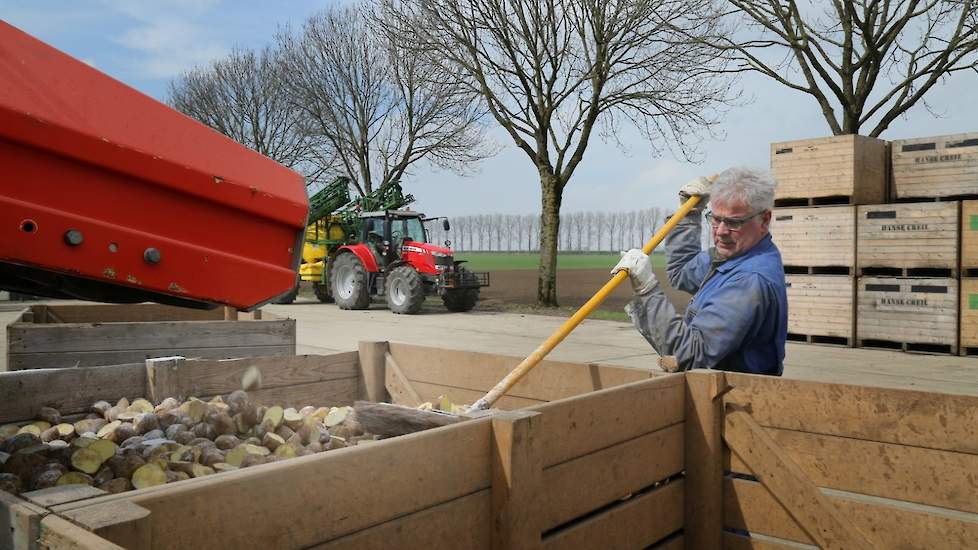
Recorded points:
(549,230)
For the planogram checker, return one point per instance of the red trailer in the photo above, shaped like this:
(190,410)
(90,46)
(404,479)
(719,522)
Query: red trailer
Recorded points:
(107,194)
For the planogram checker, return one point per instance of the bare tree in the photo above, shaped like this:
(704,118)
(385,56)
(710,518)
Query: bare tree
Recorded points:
(865,62)
(242,96)
(376,107)
(553,73)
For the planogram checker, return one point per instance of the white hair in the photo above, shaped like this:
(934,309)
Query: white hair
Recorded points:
(752,186)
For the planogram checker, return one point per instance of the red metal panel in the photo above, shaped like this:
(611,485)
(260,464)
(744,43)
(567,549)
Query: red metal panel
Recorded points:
(366,256)
(82,151)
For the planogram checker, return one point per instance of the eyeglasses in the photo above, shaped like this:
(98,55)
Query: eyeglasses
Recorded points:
(733,224)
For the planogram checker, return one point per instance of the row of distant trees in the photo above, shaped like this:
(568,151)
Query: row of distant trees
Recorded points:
(579,231)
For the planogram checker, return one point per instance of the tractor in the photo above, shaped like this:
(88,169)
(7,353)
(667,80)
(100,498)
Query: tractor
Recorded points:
(372,246)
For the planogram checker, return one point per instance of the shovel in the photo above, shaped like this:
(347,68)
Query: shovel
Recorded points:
(381,417)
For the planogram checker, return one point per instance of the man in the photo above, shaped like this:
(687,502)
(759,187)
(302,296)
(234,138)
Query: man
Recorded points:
(737,319)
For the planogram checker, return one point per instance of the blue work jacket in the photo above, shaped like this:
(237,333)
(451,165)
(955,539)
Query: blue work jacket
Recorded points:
(737,319)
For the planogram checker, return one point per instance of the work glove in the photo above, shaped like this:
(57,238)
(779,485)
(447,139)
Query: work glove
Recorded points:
(639,270)
(697,187)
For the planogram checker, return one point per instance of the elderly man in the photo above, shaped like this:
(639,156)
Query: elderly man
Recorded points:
(738,317)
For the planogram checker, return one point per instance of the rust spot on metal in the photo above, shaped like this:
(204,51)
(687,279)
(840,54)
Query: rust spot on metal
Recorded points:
(174,287)
(109,272)
(132,279)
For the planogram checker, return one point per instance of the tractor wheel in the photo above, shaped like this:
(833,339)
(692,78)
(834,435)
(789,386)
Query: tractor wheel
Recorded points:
(349,279)
(461,299)
(322,293)
(405,290)
(288,297)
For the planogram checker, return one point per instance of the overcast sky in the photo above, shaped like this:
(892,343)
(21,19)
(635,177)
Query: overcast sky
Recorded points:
(147,43)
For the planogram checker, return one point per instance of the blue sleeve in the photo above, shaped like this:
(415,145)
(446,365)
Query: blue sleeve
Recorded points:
(686,263)
(715,330)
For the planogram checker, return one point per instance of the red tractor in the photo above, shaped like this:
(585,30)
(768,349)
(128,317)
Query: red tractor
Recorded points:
(393,258)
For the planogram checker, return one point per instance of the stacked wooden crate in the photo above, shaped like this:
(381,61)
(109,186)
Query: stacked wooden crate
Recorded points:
(969,277)
(820,182)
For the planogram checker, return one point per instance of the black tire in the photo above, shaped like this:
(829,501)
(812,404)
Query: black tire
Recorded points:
(461,299)
(322,293)
(288,297)
(405,290)
(349,280)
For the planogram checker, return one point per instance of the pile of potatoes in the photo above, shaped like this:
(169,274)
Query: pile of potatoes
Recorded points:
(136,444)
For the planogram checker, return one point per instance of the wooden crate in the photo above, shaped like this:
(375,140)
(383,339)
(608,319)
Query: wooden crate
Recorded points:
(969,316)
(591,456)
(935,167)
(840,466)
(969,238)
(831,170)
(914,239)
(821,309)
(816,240)
(908,313)
(88,335)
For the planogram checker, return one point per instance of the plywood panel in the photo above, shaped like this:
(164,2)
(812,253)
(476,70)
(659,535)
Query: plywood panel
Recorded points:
(853,166)
(914,235)
(821,236)
(821,305)
(914,310)
(936,166)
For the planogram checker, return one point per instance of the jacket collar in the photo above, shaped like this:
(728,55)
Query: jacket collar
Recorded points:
(761,247)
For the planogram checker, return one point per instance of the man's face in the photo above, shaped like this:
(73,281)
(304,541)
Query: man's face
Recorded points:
(732,243)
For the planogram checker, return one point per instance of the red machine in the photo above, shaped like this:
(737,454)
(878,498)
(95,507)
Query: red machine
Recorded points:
(107,194)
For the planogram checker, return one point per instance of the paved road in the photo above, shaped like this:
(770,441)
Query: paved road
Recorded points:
(326,328)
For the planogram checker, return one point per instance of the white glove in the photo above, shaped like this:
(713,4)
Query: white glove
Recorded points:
(697,187)
(639,270)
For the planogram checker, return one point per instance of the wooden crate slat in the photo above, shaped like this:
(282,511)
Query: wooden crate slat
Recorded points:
(816,236)
(822,305)
(637,522)
(912,235)
(465,396)
(851,166)
(20,522)
(935,167)
(969,313)
(914,474)
(548,381)
(58,533)
(71,359)
(330,393)
(969,237)
(183,513)
(576,426)
(460,523)
(70,391)
(584,484)
(906,417)
(130,313)
(908,309)
(733,541)
(888,524)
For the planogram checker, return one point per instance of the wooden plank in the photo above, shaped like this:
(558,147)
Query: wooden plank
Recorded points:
(913,235)
(19,522)
(122,523)
(914,474)
(463,396)
(801,235)
(517,464)
(822,305)
(397,384)
(969,314)
(60,534)
(675,542)
(733,541)
(129,313)
(203,377)
(70,391)
(229,313)
(941,170)
(969,237)
(459,523)
(63,494)
(331,393)
(587,483)
(906,417)
(703,458)
(576,426)
(787,483)
(886,523)
(329,486)
(637,522)
(148,336)
(548,381)
(71,359)
(908,309)
(372,367)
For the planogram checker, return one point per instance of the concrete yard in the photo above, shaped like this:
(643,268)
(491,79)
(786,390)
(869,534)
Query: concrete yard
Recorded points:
(325,328)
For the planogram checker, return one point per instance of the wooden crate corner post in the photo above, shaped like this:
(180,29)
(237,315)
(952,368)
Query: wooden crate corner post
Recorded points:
(704,459)
(517,476)
(373,366)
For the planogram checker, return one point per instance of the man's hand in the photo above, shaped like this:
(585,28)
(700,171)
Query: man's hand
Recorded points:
(698,187)
(639,270)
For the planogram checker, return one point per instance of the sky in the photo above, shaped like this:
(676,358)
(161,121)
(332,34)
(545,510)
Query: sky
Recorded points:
(146,43)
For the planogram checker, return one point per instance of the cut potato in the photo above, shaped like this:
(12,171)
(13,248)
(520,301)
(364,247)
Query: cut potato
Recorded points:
(148,475)
(87,460)
(75,478)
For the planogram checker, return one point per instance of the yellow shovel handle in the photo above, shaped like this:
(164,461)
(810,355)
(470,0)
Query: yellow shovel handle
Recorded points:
(557,337)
